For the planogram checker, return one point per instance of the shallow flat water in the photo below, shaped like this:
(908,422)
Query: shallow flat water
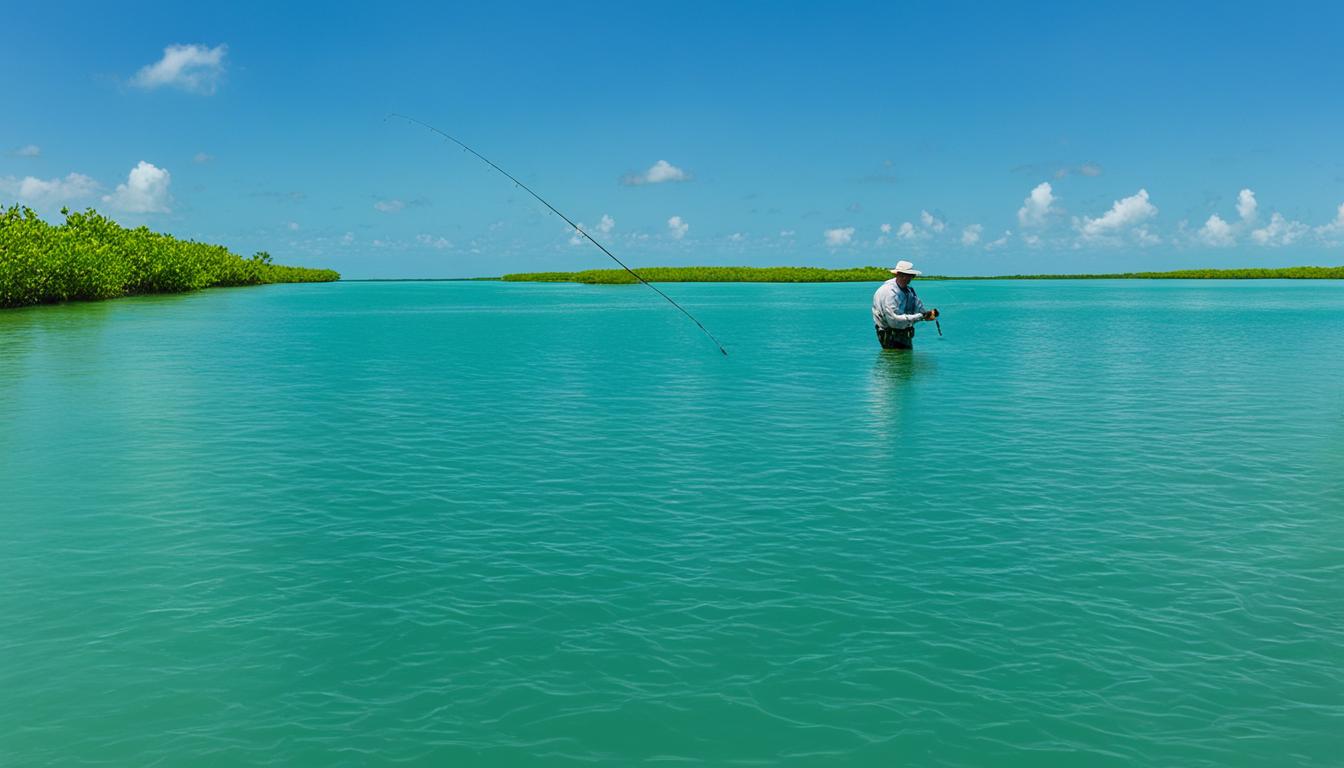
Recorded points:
(1098,523)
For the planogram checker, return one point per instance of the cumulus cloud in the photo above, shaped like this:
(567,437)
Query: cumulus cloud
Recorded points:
(389,206)
(932,222)
(48,193)
(971,235)
(145,190)
(677,228)
(906,231)
(1124,214)
(1036,207)
(606,224)
(1279,231)
(1335,228)
(1246,204)
(194,68)
(1217,232)
(839,236)
(886,229)
(28,150)
(660,172)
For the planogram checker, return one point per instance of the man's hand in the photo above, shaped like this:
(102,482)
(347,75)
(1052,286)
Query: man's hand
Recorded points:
(932,314)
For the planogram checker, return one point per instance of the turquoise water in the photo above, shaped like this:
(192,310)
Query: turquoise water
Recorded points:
(1096,524)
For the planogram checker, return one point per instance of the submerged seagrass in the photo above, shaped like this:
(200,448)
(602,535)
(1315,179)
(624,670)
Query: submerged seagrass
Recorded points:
(92,257)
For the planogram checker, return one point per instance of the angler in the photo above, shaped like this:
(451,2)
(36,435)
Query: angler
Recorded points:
(896,309)
(568,221)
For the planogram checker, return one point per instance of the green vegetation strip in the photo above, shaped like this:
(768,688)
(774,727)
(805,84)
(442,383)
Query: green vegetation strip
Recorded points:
(91,257)
(868,274)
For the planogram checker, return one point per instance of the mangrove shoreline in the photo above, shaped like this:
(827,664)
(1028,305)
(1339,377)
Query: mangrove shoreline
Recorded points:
(91,258)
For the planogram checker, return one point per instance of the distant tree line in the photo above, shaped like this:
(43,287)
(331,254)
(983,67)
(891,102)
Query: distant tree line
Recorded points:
(91,257)
(870,274)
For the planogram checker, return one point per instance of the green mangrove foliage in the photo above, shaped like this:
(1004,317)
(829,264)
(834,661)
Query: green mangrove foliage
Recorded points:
(91,257)
(868,274)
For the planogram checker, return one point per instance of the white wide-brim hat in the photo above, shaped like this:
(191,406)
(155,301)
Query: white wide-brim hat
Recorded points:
(905,268)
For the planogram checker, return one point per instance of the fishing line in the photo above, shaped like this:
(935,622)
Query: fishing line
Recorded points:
(568,221)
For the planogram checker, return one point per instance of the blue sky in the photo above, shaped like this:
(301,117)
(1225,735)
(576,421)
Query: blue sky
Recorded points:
(971,140)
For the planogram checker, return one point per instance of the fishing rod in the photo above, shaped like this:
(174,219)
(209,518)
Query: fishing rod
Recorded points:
(568,221)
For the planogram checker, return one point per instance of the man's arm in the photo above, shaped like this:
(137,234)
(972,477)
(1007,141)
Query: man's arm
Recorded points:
(893,314)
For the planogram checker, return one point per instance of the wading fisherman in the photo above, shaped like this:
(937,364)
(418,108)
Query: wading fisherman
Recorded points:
(896,308)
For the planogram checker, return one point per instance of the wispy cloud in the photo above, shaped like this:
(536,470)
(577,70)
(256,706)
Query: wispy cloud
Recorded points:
(201,158)
(389,206)
(659,173)
(971,235)
(28,150)
(437,243)
(193,68)
(145,191)
(1335,229)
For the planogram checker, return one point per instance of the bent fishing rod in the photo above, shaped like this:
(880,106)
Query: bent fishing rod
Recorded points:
(568,221)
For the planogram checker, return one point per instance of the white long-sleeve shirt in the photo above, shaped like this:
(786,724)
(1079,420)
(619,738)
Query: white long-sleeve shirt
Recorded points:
(896,308)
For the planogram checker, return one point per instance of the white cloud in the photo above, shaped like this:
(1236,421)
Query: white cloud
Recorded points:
(389,206)
(659,172)
(293,226)
(1279,231)
(971,234)
(42,193)
(1217,232)
(1090,169)
(438,243)
(604,227)
(1333,229)
(787,233)
(886,229)
(1032,241)
(1036,207)
(201,158)
(1124,213)
(932,222)
(194,68)
(736,237)
(1003,240)
(1145,237)
(145,190)
(839,236)
(347,238)
(28,150)
(906,231)
(677,228)
(1246,204)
